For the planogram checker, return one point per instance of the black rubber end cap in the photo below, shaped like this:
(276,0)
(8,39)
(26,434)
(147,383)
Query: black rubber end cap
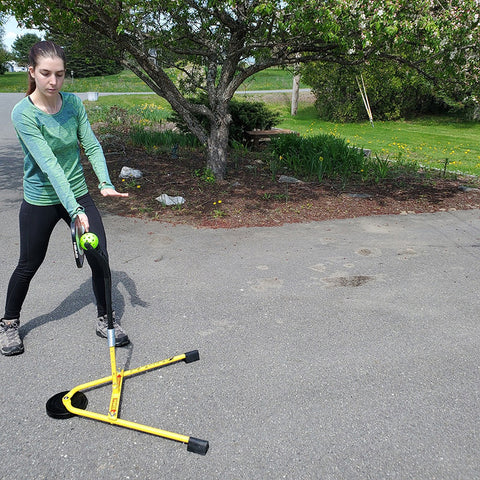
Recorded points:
(192,356)
(196,445)
(56,408)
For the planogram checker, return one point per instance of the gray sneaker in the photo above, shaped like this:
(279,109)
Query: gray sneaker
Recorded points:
(10,341)
(121,338)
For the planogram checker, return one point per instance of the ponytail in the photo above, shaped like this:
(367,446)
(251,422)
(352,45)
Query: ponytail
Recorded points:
(31,84)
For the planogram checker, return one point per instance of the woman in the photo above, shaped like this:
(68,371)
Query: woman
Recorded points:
(50,125)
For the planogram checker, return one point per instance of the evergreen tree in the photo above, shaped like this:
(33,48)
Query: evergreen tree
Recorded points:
(21,46)
(89,55)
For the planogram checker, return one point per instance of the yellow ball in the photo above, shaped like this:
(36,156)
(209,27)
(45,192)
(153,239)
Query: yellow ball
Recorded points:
(89,238)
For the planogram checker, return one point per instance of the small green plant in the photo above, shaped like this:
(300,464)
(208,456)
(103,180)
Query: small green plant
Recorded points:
(275,165)
(218,212)
(382,166)
(281,196)
(130,184)
(206,175)
(377,168)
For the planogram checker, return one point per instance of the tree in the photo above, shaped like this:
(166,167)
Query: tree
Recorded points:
(87,55)
(4,55)
(21,46)
(218,44)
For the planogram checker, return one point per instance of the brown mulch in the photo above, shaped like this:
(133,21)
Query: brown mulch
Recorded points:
(249,196)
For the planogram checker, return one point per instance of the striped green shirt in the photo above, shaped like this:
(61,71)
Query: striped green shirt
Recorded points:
(53,172)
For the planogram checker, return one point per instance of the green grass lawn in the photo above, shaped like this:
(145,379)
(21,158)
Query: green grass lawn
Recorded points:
(429,141)
(13,82)
(126,81)
(271,79)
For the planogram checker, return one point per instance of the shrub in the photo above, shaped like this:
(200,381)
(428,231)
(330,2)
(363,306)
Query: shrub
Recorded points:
(245,116)
(250,116)
(319,156)
(393,91)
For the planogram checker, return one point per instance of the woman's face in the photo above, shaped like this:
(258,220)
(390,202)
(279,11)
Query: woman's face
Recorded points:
(49,75)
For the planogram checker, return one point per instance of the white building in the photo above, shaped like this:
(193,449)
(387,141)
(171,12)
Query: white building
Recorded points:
(13,66)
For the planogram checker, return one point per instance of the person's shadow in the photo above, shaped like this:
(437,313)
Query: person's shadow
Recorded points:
(83,297)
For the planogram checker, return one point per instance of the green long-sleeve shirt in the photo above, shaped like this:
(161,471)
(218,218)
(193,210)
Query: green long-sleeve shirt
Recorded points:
(53,172)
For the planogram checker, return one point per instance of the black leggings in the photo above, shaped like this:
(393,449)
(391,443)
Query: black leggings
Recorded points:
(36,226)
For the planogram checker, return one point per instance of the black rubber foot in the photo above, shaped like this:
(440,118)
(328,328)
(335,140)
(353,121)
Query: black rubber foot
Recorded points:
(192,356)
(196,445)
(56,408)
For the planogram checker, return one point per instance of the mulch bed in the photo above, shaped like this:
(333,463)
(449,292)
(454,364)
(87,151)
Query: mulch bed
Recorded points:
(250,197)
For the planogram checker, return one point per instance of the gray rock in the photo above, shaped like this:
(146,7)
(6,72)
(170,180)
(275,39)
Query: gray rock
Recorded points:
(463,188)
(286,179)
(166,200)
(128,172)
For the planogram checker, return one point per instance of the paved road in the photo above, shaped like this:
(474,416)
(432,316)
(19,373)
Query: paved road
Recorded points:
(334,350)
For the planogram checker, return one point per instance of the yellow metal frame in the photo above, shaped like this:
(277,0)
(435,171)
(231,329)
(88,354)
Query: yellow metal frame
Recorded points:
(116,378)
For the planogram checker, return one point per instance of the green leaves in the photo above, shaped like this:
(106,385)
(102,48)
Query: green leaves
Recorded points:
(229,40)
(21,46)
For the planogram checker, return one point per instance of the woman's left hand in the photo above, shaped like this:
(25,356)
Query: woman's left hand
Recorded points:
(110,192)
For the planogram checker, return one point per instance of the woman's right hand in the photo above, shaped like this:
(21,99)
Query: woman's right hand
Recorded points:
(81,220)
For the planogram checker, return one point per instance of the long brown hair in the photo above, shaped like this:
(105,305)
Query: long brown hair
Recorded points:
(45,48)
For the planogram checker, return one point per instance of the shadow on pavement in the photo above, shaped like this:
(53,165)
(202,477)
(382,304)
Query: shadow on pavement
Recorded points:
(83,296)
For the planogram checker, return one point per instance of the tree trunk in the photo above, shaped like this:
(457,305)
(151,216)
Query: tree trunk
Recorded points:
(217,147)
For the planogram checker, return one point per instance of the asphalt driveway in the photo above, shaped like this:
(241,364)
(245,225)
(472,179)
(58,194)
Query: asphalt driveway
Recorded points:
(334,350)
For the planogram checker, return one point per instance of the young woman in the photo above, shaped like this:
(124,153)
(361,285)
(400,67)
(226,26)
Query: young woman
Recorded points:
(51,125)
